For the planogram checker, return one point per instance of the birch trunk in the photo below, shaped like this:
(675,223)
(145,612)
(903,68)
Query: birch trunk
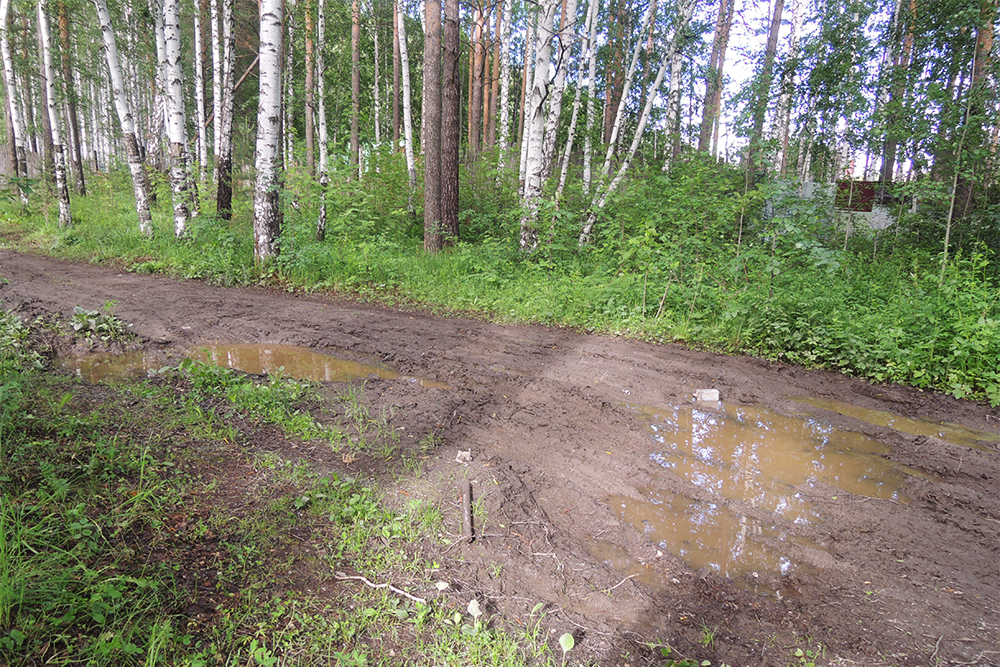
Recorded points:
(404,61)
(321,117)
(591,95)
(535,126)
(70,91)
(176,125)
(526,84)
(355,87)
(310,97)
(216,88)
(686,10)
(584,63)
(266,208)
(565,41)
(58,156)
(504,120)
(158,118)
(764,91)
(20,166)
(395,78)
(199,93)
(627,87)
(289,136)
(125,119)
(224,190)
(673,118)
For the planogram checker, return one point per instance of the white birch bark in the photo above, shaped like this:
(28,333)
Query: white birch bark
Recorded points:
(125,119)
(199,94)
(565,41)
(52,106)
(158,119)
(404,61)
(530,39)
(176,125)
(224,185)
(626,89)
(505,78)
(588,140)
(535,126)
(266,209)
(216,88)
(288,135)
(672,120)
(584,63)
(686,10)
(20,166)
(321,112)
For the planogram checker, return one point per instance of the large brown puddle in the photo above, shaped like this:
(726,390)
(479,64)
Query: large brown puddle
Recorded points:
(296,362)
(953,433)
(751,462)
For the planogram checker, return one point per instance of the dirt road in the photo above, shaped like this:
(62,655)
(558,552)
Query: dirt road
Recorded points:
(794,514)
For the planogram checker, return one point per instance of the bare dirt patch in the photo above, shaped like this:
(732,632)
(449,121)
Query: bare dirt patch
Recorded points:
(549,418)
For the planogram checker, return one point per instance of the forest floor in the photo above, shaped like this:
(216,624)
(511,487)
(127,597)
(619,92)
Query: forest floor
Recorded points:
(797,514)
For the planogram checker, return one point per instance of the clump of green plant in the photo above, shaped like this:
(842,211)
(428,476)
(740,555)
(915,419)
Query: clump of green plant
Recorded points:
(104,325)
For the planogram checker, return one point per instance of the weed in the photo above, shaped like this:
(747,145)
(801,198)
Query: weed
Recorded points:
(106,326)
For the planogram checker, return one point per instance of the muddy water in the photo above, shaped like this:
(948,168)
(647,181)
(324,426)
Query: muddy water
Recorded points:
(751,461)
(954,433)
(292,361)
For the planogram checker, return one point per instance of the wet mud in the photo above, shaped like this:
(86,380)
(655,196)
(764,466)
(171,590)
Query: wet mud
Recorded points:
(805,508)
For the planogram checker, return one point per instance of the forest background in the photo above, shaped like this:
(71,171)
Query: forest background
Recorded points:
(580,164)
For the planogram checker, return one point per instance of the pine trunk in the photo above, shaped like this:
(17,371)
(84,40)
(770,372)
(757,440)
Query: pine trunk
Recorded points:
(451,132)
(266,201)
(713,83)
(433,236)
(764,91)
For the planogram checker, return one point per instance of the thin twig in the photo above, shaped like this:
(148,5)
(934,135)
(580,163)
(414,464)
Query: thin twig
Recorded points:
(608,591)
(340,576)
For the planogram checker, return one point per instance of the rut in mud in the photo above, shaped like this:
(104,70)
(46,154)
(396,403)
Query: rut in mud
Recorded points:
(795,508)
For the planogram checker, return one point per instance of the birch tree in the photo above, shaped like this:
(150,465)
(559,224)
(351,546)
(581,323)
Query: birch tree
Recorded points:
(504,121)
(216,87)
(321,116)
(686,10)
(564,40)
(199,93)
(404,61)
(535,126)
(69,83)
(20,166)
(125,118)
(52,106)
(224,189)
(591,96)
(713,78)
(585,59)
(355,87)
(176,124)
(266,204)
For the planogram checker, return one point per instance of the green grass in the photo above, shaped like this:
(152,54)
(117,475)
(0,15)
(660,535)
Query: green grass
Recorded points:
(685,257)
(139,525)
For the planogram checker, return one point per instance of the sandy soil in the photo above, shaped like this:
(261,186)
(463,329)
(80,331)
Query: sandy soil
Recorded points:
(577,496)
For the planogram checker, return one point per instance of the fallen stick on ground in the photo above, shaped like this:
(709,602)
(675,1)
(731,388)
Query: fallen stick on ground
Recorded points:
(340,576)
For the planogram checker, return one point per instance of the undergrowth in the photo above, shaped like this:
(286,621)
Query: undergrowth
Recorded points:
(691,256)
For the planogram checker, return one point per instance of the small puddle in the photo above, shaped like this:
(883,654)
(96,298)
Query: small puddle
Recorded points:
(754,456)
(293,361)
(953,433)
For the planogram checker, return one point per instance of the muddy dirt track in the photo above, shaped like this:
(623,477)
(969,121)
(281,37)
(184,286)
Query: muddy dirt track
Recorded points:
(633,513)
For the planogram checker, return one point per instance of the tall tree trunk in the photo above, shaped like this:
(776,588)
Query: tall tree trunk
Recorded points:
(355,86)
(48,145)
(310,67)
(713,79)
(591,96)
(224,189)
(686,10)
(321,116)
(71,97)
(404,61)
(788,86)
(527,82)
(288,136)
(125,119)
(584,63)
(58,157)
(199,93)
(20,166)
(763,93)
(504,120)
(376,95)
(395,77)
(266,200)
(491,112)
(451,131)
(565,40)
(476,92)
(176,124)
(216,88)
(626,88)
(433,236)
(535,126)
